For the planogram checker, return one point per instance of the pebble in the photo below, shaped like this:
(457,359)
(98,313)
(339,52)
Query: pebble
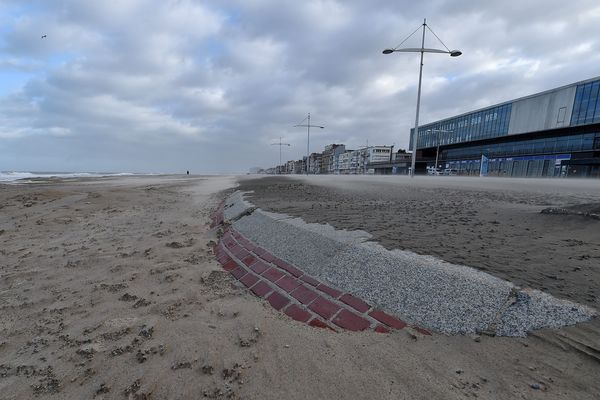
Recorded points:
(535,386)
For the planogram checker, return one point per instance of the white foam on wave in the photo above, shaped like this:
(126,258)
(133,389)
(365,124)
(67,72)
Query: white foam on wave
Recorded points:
(11,176)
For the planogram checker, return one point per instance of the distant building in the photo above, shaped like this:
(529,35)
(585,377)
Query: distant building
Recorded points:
(397,164)
(329,157)
(335,159)
(343,163)
(548,134)
(315,160)
(255,170)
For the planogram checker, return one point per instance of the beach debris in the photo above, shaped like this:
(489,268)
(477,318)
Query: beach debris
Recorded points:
(146,331)
(141,303)
(181,365)
(102,389)
(128,297)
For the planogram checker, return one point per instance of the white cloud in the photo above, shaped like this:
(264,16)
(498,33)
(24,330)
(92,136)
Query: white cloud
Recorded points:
(204,77)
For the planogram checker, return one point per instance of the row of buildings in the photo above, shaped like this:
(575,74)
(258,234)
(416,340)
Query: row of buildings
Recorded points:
(554,133)
(336,159)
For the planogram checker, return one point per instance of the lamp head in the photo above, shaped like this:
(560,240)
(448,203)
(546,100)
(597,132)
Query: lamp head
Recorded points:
(388,51)
(455,53)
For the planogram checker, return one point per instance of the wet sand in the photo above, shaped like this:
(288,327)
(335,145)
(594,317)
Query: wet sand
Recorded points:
(109,289)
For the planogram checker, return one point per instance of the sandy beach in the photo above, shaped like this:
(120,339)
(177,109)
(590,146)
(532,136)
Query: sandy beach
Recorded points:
(109,290)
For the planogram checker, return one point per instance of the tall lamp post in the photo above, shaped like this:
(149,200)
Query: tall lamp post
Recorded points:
(280,144)
(308,126)
(437,152)
(422,50)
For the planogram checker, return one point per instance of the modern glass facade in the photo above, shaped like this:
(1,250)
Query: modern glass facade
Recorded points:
(527,166)
(541,157)
(484,124)
(586,109)
(549,145)
(552,133)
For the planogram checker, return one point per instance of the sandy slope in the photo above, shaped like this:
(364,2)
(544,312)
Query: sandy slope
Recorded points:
(108,289)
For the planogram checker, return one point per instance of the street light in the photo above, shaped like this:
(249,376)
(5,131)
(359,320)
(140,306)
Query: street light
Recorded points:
(437,152)
(422,50)
(308,126)
(280,144)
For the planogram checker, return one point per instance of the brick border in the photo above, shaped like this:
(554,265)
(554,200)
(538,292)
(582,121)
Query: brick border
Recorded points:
(289,290)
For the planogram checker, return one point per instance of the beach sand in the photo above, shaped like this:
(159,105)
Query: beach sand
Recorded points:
(494,225)
(109,289)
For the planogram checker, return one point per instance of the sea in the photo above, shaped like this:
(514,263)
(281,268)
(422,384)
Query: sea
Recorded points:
(11,176)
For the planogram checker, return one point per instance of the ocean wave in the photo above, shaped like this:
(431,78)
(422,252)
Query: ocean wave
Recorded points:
(10,176)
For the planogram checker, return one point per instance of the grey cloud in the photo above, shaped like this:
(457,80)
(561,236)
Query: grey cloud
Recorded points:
(208,85)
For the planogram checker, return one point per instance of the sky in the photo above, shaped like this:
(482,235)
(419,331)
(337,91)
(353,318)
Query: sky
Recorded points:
(208,86)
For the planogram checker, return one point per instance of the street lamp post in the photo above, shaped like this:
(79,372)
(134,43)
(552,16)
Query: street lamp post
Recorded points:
(422,50)
(280,144)
(437,152)
(308,126)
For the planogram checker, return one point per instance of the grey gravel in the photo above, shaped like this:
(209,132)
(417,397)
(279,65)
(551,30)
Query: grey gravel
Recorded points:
(423,290)
(235,206)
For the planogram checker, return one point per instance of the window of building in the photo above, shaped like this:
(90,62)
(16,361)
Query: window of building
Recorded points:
(586,108)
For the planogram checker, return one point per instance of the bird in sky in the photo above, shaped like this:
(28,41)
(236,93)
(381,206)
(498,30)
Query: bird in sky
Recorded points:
(44,36)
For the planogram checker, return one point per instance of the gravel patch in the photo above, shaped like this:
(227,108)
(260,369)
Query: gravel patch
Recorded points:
(533,309)
(423,290)
(235,205)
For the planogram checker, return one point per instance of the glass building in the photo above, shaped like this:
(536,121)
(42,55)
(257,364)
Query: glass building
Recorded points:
(549,134)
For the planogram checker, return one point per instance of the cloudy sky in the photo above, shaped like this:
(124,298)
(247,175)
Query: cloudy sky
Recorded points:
(172,85)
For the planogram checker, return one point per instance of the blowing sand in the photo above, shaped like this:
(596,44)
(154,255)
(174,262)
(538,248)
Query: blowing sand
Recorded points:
(108,289)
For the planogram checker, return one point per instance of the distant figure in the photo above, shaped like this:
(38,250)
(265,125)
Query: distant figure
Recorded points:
(44,36)
(188,172)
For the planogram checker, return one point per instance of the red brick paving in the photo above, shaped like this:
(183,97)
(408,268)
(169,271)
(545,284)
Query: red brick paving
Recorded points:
(249,280)
(238,272)
(387,319)
(268,257)
(273,274)
(324,307)
(223,259)
(261,289)
(289,268)
(278,301)
(310,280)
(298,301)
(381,329)
(249,260)
(355,302)
(303,294)
(318,323)
(288,283)
(329,290)
(351,321)
(422,331)
(230,266)
(260,266)
(296,312)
